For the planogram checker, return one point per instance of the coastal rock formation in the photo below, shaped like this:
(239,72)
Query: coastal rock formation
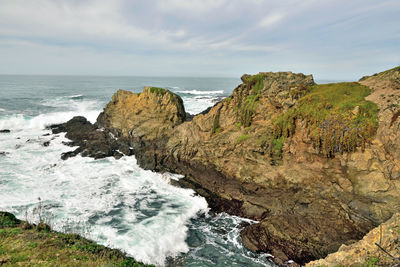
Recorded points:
(146,119)
(380,247)
(91,141)
(317,165)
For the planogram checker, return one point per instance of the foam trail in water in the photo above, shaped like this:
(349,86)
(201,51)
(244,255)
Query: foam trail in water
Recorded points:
(197,92)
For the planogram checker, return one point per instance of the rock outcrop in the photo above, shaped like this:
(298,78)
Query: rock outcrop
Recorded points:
(380,247)
(318,166)
(146,119)
(91,140)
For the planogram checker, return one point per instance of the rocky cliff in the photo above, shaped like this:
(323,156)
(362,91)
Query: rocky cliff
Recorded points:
(317,165)
(380,247)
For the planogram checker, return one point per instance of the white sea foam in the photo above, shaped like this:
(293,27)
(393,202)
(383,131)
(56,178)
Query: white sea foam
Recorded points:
(75,96)
(198,104)
(127,207)
(89,109)
(124,206)
(196,92)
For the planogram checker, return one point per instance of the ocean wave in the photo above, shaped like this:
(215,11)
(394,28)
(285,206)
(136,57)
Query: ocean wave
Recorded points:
(75,96)
(88,109)
(197,92)
(123,206)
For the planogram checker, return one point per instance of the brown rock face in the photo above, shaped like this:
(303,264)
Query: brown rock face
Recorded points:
(147,119)
(149,115)
(308,205)
(366,251)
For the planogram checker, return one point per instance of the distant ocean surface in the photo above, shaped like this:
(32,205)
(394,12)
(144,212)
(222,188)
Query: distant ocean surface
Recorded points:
(113,202)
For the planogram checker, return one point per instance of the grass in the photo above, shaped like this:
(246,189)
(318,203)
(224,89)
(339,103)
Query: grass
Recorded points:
(242,138)
(370,262)
(157,90)
(248,106)
(216,126)
(31,246)
(328,111)
(277,146)
(247,109)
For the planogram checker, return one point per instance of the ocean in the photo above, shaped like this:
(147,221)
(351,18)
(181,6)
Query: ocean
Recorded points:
(113,202)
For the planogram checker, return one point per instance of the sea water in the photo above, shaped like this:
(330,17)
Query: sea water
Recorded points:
(113,202)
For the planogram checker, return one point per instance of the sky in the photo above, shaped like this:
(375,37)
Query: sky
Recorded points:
(336,40)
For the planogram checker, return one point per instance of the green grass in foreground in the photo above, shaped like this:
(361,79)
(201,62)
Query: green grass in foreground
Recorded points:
(337,117)
(22,244)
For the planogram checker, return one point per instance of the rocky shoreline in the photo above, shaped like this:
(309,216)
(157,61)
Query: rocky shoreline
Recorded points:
(317,165)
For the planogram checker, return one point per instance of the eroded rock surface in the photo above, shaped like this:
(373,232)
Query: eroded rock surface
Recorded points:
(308,203)
(366,252)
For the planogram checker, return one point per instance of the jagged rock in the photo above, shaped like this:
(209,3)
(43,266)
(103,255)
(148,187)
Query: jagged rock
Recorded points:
(366,252)
(146,119)
(307,204)
(149,115)
(91,141)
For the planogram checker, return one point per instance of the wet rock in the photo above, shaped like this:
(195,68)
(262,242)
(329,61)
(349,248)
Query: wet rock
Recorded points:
(91,141)
(189,116)
(2,153)
(5,131)
(69,154)
(46,143)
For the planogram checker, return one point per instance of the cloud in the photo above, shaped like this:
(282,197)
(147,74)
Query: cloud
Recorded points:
(243,36)
(192,5)
(271,20)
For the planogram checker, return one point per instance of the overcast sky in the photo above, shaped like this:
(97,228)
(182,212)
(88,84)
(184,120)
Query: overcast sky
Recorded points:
(332,39)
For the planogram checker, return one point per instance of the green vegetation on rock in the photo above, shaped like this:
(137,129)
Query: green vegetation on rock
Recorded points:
(216,125)
(242,138)
(336,116)
(370,262)
(24,244)
(249,105)
(277,146)
(157,90)
(247,109)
